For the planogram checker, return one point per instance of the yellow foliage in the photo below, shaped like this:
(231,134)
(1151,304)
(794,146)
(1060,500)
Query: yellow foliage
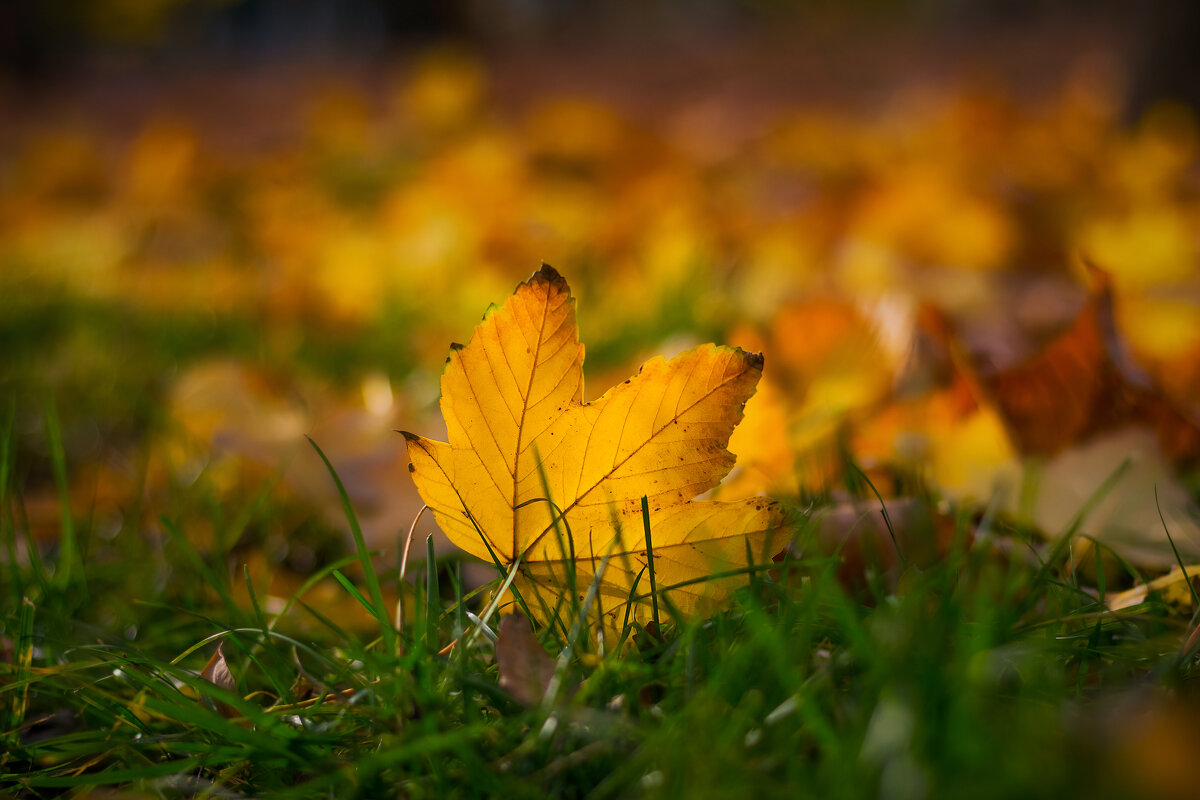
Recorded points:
(1146,247)
(532,474)
(959,446)
(1161,328)
(1172,588)
(932,217)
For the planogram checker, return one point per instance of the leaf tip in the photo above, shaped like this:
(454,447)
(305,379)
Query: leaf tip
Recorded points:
(548,273)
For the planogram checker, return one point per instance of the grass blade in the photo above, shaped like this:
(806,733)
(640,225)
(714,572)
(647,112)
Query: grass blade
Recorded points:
(8,531)
(1178,558)
(69,559)
(354,592)
(887,519)
(433,596)
(23,666)
(387,631)
(650,565)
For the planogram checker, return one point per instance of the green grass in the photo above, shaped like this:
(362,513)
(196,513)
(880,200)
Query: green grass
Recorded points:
(983,674)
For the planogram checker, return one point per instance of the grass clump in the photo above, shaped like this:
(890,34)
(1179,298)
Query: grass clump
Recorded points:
(981,672)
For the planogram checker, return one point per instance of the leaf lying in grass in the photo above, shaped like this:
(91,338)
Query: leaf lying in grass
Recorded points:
(1085,414)
(216,672)
(525,667)
(1129,491)
(1172,588)
(521,435)
(1082,384)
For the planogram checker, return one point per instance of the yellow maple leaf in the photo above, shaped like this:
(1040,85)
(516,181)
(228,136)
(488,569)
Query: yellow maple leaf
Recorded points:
(521,435)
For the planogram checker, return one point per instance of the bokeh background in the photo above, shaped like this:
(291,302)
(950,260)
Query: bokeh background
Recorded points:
(226,224)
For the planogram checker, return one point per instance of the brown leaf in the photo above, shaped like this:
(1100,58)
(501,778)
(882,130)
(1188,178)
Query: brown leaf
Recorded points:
(1081,384)
(1050,401)
(1178,431)
(216,672)
(525,667)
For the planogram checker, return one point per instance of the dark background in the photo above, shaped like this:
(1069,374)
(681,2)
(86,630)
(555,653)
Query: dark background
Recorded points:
(45,46)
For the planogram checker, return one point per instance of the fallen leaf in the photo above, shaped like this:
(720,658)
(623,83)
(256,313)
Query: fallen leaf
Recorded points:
(1082,384)
(525,667)
(832,368)
(534,474)
(1050,401)
(1125,516)
(897,214)
(958,444)
(216,672)
(1081,412)
(1172,588)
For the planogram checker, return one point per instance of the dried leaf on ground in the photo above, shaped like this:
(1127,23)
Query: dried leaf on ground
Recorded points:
(1173,588)
(216,672)
(1124,514)
(959,444)
(1083,384)
(533,473)
(1081,413)
(875,539)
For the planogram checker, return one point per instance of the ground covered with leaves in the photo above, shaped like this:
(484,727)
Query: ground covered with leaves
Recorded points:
(953,556)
